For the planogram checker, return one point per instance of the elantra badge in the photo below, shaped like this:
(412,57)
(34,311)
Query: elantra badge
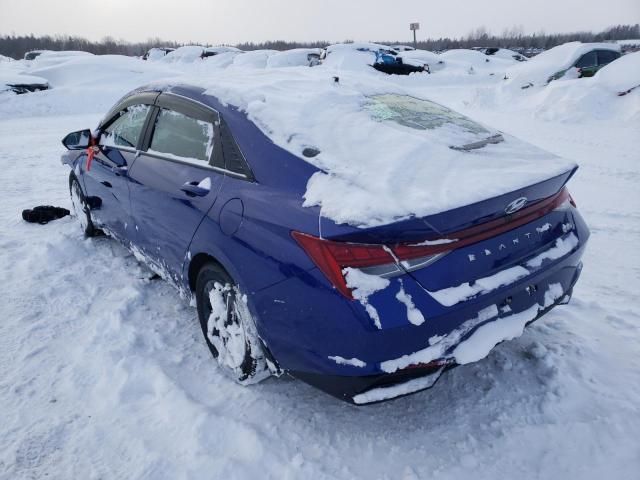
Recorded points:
(516,205)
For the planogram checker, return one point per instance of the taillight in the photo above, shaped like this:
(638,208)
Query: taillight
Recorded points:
(332,257)
(388,261)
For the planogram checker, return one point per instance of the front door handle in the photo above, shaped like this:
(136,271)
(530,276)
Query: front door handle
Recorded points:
(106,184)
(193,189)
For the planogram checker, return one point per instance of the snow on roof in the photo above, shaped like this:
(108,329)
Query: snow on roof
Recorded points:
(539,68)
(384,155)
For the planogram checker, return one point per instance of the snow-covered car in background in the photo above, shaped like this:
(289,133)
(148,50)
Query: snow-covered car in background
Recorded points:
(213,51)
(33,54)
(432,62)
(501,53)
(570,60)
(195,53)
(360,56)
(296,57)
(21,83)
(475,62)
(402,48)
(157,53)
(403,240)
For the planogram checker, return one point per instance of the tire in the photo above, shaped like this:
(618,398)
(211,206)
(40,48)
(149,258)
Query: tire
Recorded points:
(81,208)
(228,327)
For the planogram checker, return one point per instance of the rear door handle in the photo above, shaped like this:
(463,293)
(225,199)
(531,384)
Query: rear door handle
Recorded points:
(192,189)
(106,184)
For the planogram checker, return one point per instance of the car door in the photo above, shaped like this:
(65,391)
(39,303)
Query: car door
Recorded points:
(174,181)
(106,174)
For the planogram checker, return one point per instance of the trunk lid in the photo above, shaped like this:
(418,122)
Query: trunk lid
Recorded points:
(446,224)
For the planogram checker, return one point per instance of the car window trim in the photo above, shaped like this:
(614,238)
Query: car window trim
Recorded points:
(117,114)
(150,128)
(203,166)
(248,176)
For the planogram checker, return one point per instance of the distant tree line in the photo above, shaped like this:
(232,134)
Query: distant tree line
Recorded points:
(16,46)
(515,38)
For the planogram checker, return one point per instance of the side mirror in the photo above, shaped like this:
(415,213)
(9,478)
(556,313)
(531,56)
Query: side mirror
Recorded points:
(78,140)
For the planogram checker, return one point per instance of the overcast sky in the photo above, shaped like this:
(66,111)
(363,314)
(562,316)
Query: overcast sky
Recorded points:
(233,21)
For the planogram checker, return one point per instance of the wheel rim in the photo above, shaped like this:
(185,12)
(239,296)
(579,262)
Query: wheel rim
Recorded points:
(79,208)
(224,327)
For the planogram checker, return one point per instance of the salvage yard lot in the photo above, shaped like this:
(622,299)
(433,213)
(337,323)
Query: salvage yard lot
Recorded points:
(104,373)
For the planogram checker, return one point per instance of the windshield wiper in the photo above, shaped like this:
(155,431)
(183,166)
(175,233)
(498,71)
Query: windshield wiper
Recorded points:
(479,144)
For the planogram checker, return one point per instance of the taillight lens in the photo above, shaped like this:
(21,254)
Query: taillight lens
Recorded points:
(332,257)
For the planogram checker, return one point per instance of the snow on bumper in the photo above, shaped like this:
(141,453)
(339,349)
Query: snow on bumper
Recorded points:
(493,330)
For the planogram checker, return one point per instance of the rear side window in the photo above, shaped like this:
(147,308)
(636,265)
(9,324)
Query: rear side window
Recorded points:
(126,129)
(181,136)
(606,56)
(587,60)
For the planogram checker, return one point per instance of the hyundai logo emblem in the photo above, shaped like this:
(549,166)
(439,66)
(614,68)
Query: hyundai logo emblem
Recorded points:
(516,205)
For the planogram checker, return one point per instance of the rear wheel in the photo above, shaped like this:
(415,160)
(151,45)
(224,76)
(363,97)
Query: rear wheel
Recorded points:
(228,326)
(81,208)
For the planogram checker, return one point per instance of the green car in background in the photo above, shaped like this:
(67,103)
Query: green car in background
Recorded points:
(568,61)
(589,63)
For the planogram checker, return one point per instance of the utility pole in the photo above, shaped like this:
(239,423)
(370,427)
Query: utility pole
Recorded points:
(413,27)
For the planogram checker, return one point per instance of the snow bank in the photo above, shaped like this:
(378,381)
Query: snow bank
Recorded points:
(621,74)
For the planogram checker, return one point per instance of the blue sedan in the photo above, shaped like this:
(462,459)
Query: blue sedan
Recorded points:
(203,196)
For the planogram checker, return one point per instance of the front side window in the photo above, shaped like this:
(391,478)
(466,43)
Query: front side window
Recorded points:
(126,129)
(587,60)
(607,56)
(182,136)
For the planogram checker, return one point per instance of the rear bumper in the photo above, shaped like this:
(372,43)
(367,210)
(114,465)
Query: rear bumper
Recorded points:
(328,341)
(416,377)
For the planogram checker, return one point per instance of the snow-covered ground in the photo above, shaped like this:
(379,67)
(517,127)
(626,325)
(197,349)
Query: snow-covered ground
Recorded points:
(104,373)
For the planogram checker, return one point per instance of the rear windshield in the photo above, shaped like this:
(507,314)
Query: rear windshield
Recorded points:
(418,114)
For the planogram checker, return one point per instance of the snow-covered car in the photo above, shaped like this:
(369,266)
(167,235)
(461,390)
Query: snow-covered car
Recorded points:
(432,62)
(570,60)
(475,62)
(213,51)
(404,238)
(360,56)
(402,48)
(296,57)
(21,83)
(157,53)
(501,53)
(33,54)
(195,53)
